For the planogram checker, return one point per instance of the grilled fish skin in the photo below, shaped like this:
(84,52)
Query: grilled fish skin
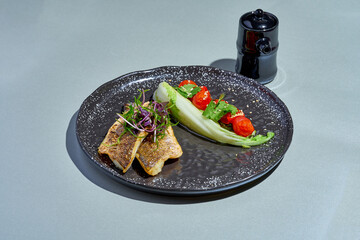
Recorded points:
(122,154)
(152,156)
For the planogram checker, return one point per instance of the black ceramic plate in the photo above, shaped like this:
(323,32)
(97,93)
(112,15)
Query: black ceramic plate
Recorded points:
(205,166)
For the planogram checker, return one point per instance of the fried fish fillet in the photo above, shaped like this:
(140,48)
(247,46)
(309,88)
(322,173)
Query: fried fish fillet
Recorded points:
(121,153)
(152,155)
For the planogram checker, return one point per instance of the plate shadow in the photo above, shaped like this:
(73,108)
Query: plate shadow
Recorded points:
(92,172)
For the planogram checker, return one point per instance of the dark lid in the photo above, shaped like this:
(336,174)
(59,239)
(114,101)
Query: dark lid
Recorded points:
(259,20)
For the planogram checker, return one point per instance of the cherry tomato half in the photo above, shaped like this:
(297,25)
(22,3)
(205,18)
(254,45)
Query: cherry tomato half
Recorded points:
(187,82)
(202,98)
(228,118)
(242,126)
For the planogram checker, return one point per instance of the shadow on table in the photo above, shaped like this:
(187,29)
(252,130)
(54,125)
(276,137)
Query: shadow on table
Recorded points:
(96,176)
(225,64)
(280,84)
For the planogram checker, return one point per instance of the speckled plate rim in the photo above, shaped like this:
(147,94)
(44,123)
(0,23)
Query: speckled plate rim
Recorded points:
(182,192)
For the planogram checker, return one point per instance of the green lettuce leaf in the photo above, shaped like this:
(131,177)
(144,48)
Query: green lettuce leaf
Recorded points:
(188,90)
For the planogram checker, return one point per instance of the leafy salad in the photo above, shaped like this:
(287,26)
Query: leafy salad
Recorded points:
(193,106)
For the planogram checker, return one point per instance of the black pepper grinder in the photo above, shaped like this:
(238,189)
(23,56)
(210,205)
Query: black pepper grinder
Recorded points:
(257,46)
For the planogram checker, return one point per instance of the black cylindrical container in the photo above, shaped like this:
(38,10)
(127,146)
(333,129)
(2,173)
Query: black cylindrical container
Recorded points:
(257,45)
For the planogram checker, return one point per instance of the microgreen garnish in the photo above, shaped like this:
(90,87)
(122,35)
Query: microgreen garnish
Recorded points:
(188,90)
(152,118)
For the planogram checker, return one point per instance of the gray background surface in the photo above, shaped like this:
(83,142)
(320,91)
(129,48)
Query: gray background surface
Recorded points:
(53,54)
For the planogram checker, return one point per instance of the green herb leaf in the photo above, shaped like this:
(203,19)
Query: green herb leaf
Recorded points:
(216,111)
(188,90)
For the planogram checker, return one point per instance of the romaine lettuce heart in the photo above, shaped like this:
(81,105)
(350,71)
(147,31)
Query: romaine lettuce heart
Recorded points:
(187,114)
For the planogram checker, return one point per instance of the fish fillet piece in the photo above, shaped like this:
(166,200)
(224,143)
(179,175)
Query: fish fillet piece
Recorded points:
(122,154)
(152,156)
